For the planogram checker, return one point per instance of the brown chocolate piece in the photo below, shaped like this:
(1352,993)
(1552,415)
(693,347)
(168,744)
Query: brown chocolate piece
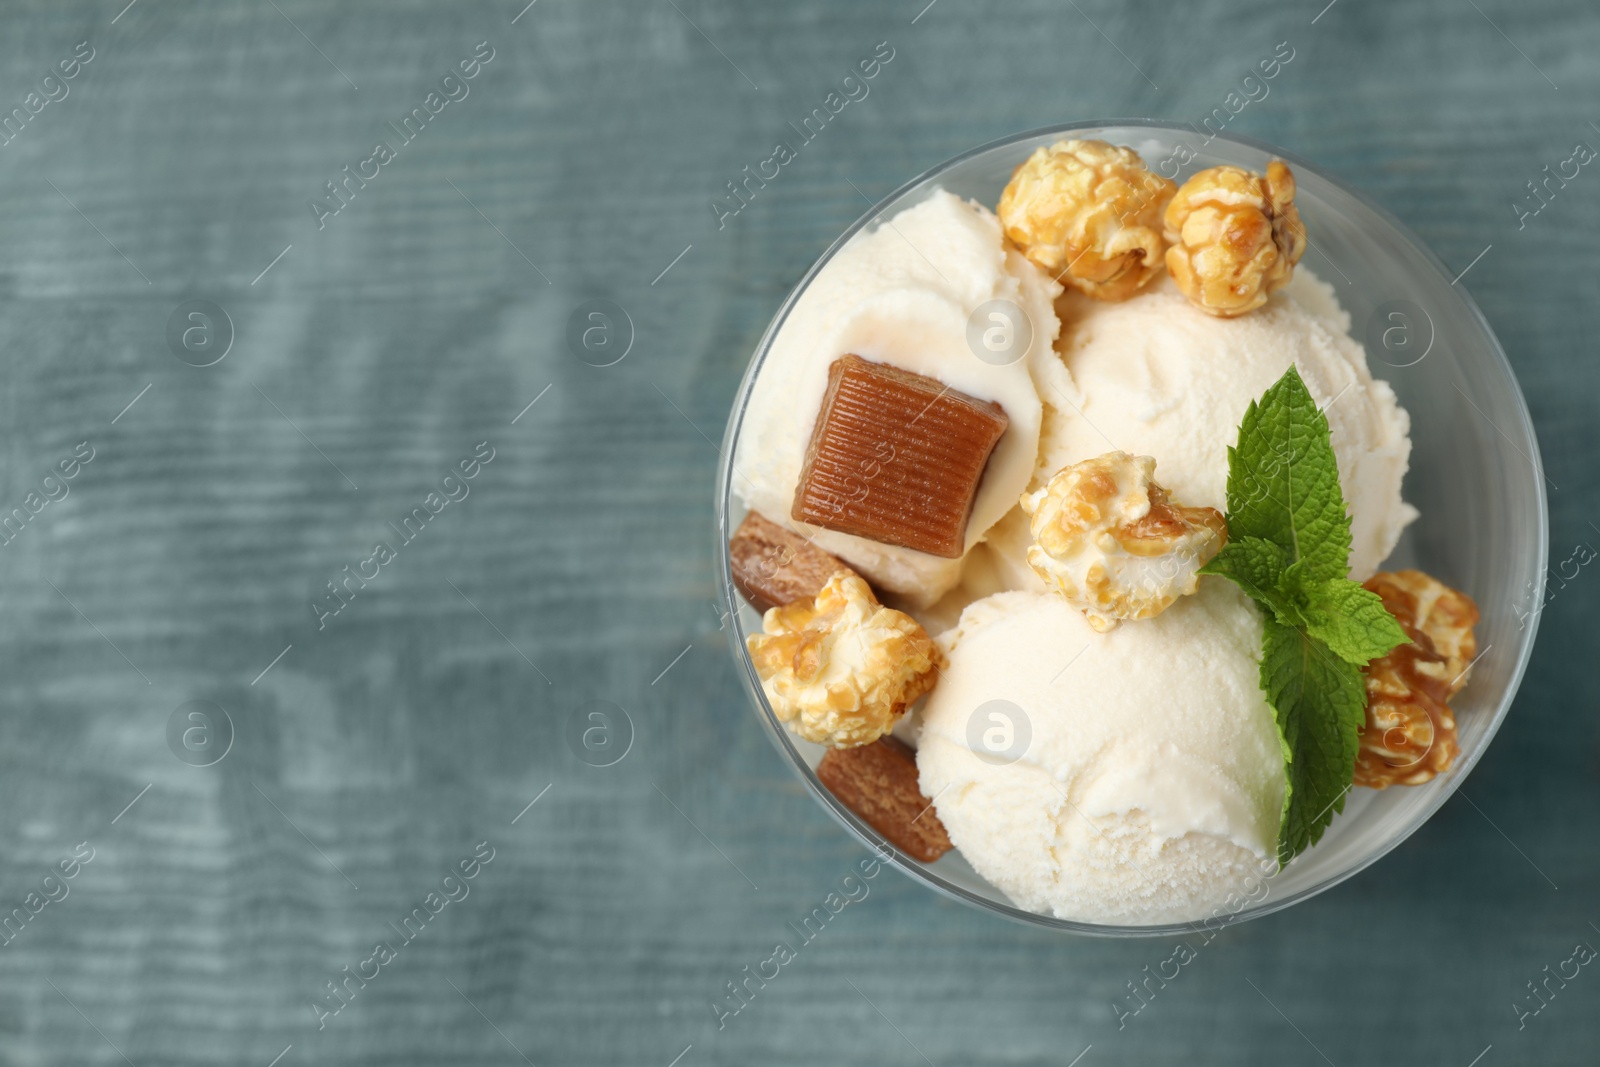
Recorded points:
(896,457)
(879,783)
(773,566)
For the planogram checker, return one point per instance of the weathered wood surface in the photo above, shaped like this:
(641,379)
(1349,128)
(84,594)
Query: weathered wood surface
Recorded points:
(379,350)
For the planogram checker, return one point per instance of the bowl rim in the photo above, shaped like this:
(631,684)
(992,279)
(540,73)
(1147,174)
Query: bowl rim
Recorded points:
(858,827)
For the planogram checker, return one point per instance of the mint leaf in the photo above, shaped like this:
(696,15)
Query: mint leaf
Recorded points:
(1283,480)
(1352,622)
(1289,549)
(1320,704)
(1256,566)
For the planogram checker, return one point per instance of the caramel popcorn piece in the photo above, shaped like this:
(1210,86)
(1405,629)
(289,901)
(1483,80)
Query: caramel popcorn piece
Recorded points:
(1108,539)
(896,457)
(1089,213)
(1410,732)
(773,566)
(879,783)
(840,669)
(1235,237)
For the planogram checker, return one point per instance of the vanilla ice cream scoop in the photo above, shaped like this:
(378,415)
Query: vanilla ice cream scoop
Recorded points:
(910,294)
(1156,376)
(1126,777)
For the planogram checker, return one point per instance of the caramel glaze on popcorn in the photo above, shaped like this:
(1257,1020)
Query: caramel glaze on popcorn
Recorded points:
(1235,237)
(1410,732)
(1089,214)
(840,669)
(1108,538)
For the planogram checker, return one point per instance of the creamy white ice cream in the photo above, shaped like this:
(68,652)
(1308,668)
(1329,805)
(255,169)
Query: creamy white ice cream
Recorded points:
(1156,376)
(902,294)
(1152,784)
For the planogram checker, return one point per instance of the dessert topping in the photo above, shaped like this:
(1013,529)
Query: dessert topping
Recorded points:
(773,566)
(1089,213)
(840,668)
(879,783)
(1443,615)
(1410,732)
(896,457)
(1108,538)
(1235,237)
(1289,548)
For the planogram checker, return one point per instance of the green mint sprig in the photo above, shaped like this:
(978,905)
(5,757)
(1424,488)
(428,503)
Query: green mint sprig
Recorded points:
(1289,548)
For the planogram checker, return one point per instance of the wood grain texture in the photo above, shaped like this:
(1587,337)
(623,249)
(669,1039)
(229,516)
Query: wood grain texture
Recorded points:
(422,318)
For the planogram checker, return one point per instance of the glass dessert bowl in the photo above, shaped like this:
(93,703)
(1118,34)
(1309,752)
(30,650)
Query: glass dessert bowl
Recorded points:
(1474,480)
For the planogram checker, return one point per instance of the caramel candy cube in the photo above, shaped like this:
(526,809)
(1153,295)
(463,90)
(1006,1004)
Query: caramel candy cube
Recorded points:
(896,457)
(773,566)
(879,783)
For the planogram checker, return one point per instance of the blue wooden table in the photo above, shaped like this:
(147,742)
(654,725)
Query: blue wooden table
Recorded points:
(359,535)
